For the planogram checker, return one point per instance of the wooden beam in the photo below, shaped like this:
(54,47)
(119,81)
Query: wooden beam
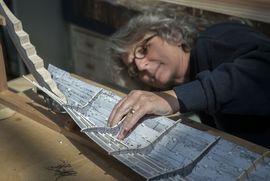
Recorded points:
(2,21)
(3,78)
(258,10)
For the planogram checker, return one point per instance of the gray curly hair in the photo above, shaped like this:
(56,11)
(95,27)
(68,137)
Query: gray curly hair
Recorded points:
(180,30)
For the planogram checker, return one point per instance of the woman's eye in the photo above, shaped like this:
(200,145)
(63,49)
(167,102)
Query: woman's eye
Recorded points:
(145,49)
(142,51)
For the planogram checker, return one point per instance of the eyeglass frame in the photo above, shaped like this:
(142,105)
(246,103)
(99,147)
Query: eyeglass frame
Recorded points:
(132,68)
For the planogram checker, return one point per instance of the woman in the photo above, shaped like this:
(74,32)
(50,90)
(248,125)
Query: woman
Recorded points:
(222,73)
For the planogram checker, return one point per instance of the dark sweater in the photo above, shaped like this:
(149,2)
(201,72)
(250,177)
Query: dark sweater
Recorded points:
(230,78)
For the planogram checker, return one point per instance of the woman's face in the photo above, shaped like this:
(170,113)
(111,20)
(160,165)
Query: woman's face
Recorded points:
(157,63)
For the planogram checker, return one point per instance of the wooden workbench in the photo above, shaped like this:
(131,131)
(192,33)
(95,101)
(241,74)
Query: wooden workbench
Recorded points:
(32,151)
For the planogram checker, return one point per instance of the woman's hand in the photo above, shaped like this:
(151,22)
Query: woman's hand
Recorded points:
(140,103)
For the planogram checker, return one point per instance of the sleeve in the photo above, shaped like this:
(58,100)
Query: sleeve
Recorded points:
(241,86)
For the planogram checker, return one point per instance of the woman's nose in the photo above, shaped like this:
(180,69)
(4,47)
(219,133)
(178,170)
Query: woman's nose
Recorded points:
(141,64)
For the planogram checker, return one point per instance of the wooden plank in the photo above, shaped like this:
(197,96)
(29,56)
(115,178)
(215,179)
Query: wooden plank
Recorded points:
(28,108)
(258,10)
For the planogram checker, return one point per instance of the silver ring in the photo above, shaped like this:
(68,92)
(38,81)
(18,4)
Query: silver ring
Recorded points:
(132,111)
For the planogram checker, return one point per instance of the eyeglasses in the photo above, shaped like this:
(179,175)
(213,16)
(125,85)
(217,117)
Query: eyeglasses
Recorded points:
(140,52)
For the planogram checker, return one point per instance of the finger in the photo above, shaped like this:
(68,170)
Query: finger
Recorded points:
(109,123)
(120,114)
(122,109)
(130,122)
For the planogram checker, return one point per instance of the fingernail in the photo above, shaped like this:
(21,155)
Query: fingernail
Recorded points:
(120,136)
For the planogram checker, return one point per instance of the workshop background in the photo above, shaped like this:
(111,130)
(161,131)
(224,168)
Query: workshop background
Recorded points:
(73,34)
